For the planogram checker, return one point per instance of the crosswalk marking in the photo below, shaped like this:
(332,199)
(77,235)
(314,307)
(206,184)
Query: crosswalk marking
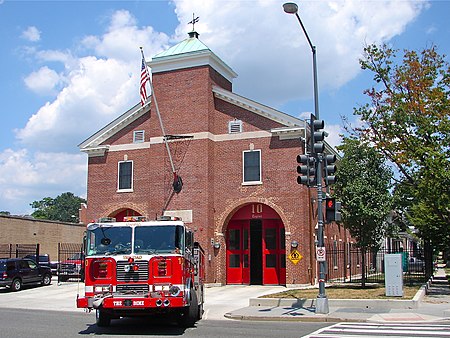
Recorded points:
(349,330)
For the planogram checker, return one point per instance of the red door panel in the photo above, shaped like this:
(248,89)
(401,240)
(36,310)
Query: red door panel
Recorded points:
(237,253)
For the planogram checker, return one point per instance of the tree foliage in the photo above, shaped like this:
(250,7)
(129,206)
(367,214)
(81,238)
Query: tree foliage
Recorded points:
(408,120)
(62,208)
(363,188)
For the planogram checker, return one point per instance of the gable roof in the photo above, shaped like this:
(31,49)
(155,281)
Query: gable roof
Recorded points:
(92,145)
(256,107)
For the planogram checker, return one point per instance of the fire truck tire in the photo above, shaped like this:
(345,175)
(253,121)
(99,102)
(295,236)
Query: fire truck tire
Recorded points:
(191,313)
(102,319)
(200,312)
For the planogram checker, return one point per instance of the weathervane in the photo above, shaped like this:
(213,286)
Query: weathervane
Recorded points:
(194,21)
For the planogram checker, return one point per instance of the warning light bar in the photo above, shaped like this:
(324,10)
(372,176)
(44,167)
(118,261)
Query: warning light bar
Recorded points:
(135,219)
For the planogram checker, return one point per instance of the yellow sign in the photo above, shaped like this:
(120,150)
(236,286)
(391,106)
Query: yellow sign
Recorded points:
(295,256)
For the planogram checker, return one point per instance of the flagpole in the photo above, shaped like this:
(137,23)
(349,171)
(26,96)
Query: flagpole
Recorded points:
(159,115)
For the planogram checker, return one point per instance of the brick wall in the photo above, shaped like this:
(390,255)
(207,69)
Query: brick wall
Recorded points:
(20,230)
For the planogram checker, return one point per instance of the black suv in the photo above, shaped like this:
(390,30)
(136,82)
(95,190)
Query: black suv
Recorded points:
(15,272)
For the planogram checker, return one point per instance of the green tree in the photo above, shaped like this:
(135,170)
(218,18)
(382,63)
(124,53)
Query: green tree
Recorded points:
(408,120)
(363,188)
(62,208)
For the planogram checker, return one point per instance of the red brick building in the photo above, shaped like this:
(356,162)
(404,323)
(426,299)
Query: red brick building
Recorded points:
(240,194)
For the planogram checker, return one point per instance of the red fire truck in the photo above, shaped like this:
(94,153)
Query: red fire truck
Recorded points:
(139,267)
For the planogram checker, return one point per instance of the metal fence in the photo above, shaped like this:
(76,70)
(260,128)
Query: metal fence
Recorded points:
(18,250)
(345,264)
(71,262)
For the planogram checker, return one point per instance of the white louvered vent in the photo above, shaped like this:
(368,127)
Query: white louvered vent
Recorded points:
(138,136)
(235,126)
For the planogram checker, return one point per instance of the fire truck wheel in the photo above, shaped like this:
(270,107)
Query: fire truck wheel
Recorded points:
(191,313)
(200,312)
(102,319)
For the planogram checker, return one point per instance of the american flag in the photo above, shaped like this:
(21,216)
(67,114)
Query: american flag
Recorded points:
(144,80)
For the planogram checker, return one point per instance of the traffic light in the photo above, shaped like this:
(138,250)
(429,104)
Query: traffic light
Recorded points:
(307,170)
(332,210)
(329,169)
(317,135)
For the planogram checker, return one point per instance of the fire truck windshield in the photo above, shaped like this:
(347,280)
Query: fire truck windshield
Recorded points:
(158,239)
(149,239)
(109,240)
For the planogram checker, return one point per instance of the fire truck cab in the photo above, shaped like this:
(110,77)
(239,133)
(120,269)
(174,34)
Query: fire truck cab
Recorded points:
(140,268)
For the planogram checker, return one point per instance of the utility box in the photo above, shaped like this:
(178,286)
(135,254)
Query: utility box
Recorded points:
(393,277)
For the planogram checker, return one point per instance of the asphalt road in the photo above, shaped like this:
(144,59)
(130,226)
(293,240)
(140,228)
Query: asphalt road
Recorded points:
(20,323)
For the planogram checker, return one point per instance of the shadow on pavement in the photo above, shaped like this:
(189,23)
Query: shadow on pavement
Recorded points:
(136,326)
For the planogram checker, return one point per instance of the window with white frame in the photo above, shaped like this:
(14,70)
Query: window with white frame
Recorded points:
(125,176)
(138,136)
(252,167)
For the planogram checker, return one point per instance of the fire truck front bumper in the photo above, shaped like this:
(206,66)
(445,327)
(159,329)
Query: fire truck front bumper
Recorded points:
(127,302)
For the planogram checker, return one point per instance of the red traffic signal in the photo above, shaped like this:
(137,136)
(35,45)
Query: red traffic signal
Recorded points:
(332,210)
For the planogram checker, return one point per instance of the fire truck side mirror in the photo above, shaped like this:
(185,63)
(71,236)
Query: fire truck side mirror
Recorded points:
(189,239)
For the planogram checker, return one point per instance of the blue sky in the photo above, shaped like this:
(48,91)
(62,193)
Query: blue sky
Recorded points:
(70,67)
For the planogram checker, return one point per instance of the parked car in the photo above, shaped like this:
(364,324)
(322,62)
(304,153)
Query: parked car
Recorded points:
(44,260)
(16,272)
(73,267)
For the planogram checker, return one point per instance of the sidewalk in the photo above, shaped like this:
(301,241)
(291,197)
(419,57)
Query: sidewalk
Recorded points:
(430,306)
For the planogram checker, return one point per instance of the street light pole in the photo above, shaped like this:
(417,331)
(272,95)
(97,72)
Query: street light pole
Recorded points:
(292,8)
(322,300)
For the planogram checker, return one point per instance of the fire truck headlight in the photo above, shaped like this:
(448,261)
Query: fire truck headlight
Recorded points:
(126,268)
(174,290)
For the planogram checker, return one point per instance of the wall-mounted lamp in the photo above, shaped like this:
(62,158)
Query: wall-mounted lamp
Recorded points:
(216,245)
(294,244)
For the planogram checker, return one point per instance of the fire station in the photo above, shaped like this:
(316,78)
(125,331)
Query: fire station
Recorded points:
(237,161)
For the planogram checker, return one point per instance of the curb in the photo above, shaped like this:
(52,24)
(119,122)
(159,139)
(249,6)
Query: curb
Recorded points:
(348,303)
(316,318)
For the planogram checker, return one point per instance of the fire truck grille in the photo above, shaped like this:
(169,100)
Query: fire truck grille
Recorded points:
(132,288)
(126,274)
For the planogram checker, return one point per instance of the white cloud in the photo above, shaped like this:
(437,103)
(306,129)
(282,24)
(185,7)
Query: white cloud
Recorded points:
(98,91)
(43,81)
(26,177)
(334,131)
(123,39)
(31,34)
(269,51)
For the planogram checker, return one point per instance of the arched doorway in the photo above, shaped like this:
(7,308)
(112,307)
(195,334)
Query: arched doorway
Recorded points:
(256,249)
(119,215)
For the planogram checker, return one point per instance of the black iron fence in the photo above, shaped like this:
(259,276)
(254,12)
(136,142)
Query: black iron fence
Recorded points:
(18,250)
(346,264)
(71,262)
